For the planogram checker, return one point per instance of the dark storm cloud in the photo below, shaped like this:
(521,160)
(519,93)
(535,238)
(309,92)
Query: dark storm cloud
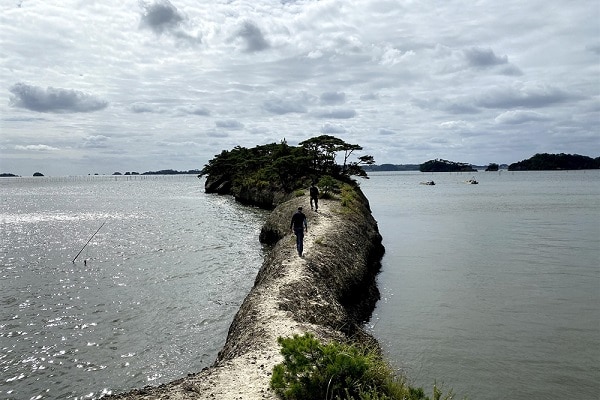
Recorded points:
(337,114)
(160,16)
(329,98)
(55,100)
(252,37)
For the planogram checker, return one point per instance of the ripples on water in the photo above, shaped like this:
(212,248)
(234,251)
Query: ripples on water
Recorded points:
(492,289)
(148,300)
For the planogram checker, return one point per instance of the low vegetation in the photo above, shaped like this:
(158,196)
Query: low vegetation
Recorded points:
(337,371)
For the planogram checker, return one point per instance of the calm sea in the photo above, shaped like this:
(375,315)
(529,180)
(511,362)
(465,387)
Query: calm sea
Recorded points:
(150,298)
(491,289)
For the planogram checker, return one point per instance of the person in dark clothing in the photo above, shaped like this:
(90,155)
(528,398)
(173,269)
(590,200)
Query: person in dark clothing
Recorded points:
(299,226)
(314,196)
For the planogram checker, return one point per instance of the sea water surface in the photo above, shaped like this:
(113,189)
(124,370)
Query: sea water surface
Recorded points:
(491,289)
(149,299)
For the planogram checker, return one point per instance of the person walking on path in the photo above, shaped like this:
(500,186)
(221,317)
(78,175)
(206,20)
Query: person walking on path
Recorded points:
(299,226)
(314,196)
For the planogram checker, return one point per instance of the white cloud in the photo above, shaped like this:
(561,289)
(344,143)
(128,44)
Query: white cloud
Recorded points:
(342,113)
(141,107)
(531,96)
(519,117)
(331,129)
(193,110)
(229,124)
(331,98)
(160,16)
(252,37)
(409,80)
(460,125)
(36,147)
(96,142)
(479,57)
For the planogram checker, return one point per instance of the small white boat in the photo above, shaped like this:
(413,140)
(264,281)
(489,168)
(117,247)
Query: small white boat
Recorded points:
(429,183)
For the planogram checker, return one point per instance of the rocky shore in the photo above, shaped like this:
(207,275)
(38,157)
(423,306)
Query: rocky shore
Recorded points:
(330,292)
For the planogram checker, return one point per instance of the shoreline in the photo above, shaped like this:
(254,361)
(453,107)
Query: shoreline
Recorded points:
(330,292)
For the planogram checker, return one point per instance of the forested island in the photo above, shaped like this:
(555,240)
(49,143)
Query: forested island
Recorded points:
(445,166)
(538,162)
(266,175)
(550,162)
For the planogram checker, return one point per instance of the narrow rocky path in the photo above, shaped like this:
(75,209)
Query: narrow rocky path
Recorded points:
(247,374)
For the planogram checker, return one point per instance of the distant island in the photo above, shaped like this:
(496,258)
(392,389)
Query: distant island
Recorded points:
(445,166)
(391,167)
(538,162)
(161,172)
(552,162)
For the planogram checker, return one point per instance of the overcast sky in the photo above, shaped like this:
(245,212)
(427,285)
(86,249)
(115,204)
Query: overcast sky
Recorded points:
(127,85)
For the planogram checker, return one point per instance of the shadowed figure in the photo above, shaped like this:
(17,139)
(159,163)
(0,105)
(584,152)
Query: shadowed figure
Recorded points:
(299,225)
(314,197)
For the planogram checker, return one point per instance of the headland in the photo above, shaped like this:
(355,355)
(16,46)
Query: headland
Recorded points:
(329,292)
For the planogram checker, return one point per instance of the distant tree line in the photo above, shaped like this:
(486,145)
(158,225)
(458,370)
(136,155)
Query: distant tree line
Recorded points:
(391,167)
(546,162)
(164,172)
(445,166)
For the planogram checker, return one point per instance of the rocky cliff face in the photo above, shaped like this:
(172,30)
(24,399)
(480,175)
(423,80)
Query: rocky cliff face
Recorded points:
(330,292)
(263,197)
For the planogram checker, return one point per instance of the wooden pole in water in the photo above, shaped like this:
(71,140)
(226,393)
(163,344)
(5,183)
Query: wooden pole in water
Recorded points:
(88,242)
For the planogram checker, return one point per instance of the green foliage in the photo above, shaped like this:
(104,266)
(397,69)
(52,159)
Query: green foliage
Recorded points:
(445,166)
(492,167)
(312,370)
(280,167)
(349,198)
(328,185)
(545,161)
